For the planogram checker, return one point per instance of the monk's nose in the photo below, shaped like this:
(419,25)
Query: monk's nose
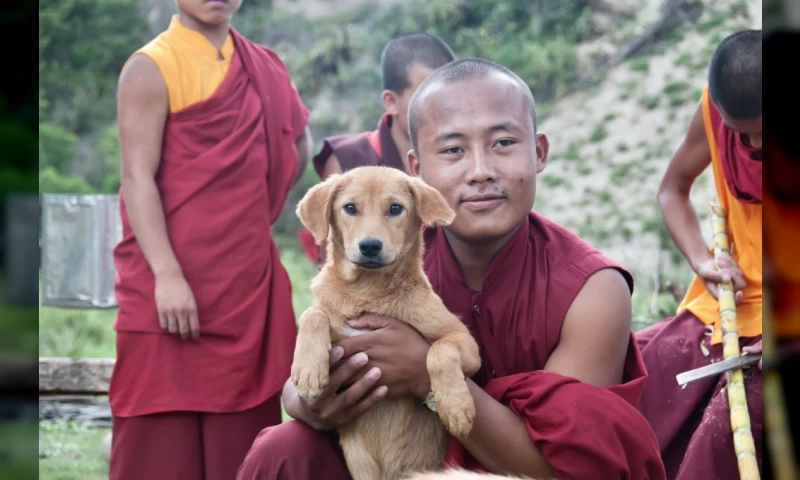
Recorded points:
(370,247)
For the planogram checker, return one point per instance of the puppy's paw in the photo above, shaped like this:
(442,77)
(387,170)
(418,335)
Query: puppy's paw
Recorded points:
(456,409)
(310,375)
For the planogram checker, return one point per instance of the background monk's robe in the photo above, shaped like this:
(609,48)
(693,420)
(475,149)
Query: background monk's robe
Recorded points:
(364,149)
(583,431)
(227,165)
(692,424)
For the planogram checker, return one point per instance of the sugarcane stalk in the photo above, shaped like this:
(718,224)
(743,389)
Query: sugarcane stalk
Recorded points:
(743,443)
(779,440)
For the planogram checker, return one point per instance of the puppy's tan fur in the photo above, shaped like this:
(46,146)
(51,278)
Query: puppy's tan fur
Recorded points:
(397,436)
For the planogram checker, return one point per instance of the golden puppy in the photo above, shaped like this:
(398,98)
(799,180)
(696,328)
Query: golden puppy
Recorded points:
(372,218)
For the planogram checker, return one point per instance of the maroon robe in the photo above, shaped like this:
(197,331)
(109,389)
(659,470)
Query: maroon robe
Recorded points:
(741,162)
(227,167)
(583,431)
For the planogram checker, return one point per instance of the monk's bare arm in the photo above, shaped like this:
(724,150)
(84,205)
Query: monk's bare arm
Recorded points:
(596,332)
(332,166)
(303,144)
(690,160)
(142,108)
(499,439)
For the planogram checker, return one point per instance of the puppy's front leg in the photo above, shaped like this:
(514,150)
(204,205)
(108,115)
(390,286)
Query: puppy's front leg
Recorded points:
(450,357)
(312,353)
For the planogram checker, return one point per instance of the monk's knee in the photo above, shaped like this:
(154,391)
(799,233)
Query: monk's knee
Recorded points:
(286,450)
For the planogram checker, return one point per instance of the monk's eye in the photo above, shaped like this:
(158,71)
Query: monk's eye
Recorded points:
(395,209)
(350,208)
(505,142)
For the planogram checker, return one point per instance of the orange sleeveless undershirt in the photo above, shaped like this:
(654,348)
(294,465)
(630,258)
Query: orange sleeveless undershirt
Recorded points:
(744,231)
(191,67)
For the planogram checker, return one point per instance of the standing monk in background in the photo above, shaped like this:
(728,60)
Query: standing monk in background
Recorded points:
(405,62)
(693,423)
(213,135)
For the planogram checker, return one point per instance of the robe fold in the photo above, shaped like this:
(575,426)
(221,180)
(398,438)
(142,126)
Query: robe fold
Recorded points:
(227,167)
(582,430)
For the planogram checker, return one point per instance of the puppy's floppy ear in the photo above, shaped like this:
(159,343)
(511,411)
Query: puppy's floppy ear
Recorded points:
(432,208)
(314,210)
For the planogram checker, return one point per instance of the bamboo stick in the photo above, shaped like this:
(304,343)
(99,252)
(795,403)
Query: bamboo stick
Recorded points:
(779,440)
(743,442)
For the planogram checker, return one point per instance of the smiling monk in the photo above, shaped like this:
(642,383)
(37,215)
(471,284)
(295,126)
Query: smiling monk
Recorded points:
(560,374)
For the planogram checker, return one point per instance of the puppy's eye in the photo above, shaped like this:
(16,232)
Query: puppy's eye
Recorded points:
(350,208)
(395,209)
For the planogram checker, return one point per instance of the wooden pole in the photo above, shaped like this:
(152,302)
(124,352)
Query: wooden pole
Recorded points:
(737,400)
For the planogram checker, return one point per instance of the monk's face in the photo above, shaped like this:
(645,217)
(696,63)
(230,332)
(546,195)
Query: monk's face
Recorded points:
(749,128)
(209,12)
(477,146)
(396,103)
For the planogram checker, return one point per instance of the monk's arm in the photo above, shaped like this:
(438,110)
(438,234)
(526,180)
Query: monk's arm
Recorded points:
(303,143)
(142,107)
(592,349)
(690,160)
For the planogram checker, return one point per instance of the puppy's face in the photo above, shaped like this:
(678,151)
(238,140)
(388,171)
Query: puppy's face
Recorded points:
(372,214)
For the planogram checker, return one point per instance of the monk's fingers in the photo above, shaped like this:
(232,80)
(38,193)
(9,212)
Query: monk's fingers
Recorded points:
(366,403)
(336,354)
(183,324)
(162,319)
(738,280)
(356,392)
(344,372)
(172,322)
(194,324)
(712,289)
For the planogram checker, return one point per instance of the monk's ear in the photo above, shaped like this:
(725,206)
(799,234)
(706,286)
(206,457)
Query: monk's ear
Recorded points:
(432,208)
(314,210)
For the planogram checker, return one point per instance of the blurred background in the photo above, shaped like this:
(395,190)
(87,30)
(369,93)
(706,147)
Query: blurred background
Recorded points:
(616,82)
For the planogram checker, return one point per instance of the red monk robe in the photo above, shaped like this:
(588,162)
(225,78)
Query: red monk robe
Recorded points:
(227,167)
(354,150)
(583,431)
(692,424)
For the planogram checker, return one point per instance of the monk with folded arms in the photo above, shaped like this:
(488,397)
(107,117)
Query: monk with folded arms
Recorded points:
(560,375)
(213,135)
(693,424)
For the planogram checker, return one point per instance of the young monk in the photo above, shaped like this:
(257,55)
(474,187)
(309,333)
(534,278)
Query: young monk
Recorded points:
(405,62)
(693,423)
(561,374)
(213,136)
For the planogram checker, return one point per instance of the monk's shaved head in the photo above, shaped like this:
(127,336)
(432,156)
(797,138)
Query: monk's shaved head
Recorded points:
(734,76)
(459,71)
(401,53)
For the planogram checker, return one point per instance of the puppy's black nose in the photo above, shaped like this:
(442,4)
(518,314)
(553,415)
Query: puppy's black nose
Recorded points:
(370,247)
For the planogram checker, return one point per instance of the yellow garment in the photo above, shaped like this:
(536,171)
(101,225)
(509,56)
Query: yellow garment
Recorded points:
(190,65)
(782,227)
(744,232)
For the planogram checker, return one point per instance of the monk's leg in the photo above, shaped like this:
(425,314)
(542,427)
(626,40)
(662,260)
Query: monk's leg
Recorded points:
(165,445)
(227,437)
(710,453)
(294,451)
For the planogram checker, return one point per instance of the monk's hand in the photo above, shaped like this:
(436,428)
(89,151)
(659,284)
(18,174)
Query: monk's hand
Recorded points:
(177,309)
(755,349)
(728,271)
(397,349)
(337,406)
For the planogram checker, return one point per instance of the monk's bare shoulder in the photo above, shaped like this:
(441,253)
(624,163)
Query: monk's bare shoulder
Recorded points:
(596,331)
(691,157)
(332,166)
(142,109)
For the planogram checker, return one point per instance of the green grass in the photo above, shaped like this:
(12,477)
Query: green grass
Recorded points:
(598,134)
(70,450)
